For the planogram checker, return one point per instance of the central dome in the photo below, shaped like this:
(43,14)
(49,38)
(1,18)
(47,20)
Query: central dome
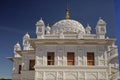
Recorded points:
(68,26)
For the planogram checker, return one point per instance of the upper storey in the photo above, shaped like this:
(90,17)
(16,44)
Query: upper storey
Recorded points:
(69,29)
(68,26)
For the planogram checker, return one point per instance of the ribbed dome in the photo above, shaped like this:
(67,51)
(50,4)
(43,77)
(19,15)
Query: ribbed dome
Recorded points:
(68,26)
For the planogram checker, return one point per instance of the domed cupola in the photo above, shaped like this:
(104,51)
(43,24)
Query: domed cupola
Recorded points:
(101,21)
(26,44)
(26,36)
(68,26)
(88,29)
(101,29)
(48,29)
(40,29)
(40,23)
(17,47)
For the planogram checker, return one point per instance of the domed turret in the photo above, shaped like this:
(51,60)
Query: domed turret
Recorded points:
(40,29)
(101,21)
(88,29)
(26,36)
(48,29)
(26,44)
(101,29)
(68,26)
(40,23)
(17,47)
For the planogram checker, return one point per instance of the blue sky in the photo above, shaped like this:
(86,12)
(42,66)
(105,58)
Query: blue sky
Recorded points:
(20,16)
(117,17)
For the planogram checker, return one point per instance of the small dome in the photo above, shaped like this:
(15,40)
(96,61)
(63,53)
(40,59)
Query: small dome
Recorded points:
(88,27)
(17,46)
(101,21)
(26,36)
(68,26)
(48,28)
(40,22)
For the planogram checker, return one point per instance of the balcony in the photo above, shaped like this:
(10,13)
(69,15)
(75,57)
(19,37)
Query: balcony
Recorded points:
(112,53)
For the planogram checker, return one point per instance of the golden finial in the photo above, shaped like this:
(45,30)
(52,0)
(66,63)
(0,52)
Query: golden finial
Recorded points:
(67,14)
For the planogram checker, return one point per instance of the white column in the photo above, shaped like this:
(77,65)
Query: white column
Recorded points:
(97,75)
(76,58)
(105,54)
(56,58)
(85,76)
(107,76)
(64,59)
(36,75)
(109,68)
(78,75)
(56,75)
(85,60)
(44,76)
(45,59)
(63,75)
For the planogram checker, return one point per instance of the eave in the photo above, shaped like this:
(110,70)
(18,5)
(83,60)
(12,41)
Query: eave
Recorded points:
(14,58)
(34,42)
(25,51)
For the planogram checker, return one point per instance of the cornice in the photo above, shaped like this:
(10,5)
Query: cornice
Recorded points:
(26,52)
(14,58)
(70,67)
(35,42)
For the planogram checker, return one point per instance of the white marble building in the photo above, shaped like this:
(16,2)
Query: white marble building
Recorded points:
(66,51)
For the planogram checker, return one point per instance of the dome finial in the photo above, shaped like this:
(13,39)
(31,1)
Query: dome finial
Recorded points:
(67,10)
(41,18)
(67,14)
(100,18)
